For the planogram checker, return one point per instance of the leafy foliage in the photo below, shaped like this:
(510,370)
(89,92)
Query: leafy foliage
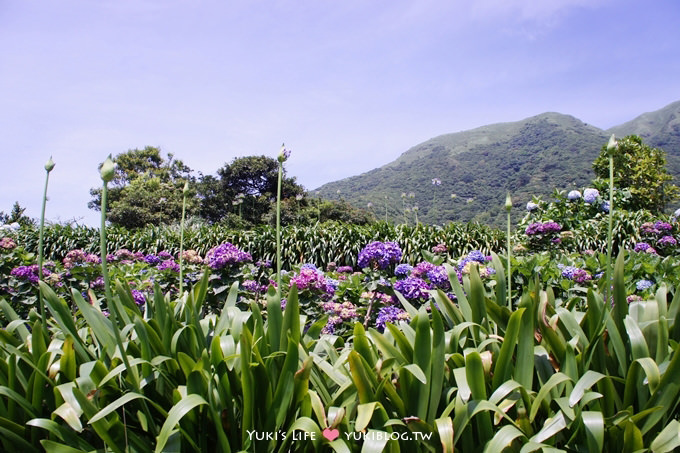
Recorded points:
(640,169)
(146,189)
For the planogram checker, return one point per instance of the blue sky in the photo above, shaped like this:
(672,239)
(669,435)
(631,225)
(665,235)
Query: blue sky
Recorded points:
(347,85)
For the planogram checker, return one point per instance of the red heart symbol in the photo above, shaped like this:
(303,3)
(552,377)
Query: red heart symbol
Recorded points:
(331,434)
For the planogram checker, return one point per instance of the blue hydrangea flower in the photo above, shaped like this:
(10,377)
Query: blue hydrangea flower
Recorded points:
(574,195)
(605,206)
(531,206)
(390,314)
(402,270)
(590,195)
(642,285)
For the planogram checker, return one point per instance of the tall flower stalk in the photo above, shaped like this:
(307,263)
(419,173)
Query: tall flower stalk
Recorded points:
(611,147)
(181,239)
(49,166)
(284,154)
(107,173)
(508,208)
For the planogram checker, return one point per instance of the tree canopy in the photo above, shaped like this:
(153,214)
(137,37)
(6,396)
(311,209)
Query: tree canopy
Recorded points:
(146,189)
(642,170)
(247,187)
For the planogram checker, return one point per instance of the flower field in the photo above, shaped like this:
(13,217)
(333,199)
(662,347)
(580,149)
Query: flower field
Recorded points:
(561,334)
(408,345)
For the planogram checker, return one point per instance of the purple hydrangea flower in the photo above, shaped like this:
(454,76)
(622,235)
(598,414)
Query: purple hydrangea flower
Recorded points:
(422,269)
(531,206)
(168,265)
(165,255)
(663,226)
(29,273)
(153,260)
(389,314)
(379,255)
(309,279)
(413,288)
(641,247)
(225,255)
(138,296)
(439,277)
(667,241)
(345,270)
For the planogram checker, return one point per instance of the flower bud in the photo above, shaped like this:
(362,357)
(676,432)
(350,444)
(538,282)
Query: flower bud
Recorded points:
(108,169)
(612,144)
(186,188)
(508,202)
(49,165)
(284,154)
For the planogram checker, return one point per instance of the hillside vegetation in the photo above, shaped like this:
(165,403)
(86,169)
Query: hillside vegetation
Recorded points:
(477,167)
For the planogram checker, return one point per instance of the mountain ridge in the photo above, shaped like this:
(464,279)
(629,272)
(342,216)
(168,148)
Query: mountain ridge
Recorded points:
(528,157)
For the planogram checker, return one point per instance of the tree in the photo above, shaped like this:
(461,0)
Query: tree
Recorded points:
(246,187)
(16,215)
(146,189)
(642,170)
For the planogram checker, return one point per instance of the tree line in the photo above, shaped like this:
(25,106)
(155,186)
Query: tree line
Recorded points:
(148,190)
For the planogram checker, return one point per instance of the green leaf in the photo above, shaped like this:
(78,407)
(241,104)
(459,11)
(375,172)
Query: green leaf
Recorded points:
(594,424)
(176,413)
(668,439)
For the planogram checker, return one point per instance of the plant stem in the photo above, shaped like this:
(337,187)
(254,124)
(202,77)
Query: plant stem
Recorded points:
(41,303)
(278,231)
(509,289)
(113,309)
(181,243)
(609,230)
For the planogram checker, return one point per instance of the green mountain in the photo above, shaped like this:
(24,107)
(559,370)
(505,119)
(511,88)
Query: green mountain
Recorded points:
(477,167)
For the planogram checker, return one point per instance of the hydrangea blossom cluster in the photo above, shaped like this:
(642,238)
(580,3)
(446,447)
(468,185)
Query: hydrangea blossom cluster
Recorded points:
(152,260)
(381,298)
(422,269)
(574,195)
(7,243)
(252,285)
(542,228)
(402,270)
(531,206)
(590,195)
(165,255)
(642,285)
(309,279)
(379,255)
(170,265)
(575,273)
(390,314)
(29,273)
(413,288)
(127,256)
(474,256)
(643,247)
(78,257)
(345,270)
(667,241)
(139,297)
(440,248)
(192,257)
(658,234)
(225,255)
(439,277)
(344,310)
